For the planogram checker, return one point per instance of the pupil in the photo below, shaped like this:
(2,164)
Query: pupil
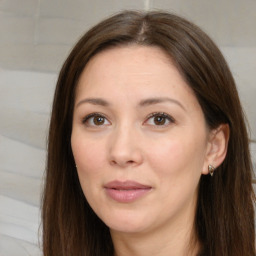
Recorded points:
(98,120)
(159,120)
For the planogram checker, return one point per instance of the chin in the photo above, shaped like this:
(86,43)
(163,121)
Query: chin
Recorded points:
(127,228)
(127,222)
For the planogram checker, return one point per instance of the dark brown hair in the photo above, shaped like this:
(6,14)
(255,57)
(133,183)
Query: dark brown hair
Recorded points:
(224,220)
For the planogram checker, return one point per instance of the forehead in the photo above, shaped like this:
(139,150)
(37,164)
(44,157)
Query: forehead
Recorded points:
(129,58)
(132,70)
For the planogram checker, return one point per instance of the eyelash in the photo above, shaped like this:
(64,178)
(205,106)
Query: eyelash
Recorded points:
(87,118)
(161,115)
(152,115)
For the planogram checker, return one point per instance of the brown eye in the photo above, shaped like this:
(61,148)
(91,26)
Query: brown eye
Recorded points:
(159,120)
(95,119)
(98,120)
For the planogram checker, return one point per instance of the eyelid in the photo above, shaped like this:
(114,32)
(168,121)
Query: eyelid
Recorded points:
(152,115)
(87,117)
(162,114)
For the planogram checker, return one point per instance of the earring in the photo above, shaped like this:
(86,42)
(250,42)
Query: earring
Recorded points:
(211,169)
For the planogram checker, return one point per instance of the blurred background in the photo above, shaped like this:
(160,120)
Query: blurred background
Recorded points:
(36,37)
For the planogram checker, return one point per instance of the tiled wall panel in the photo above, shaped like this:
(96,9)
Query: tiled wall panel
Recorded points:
(20,8)
(16,29)
(59,31)
(49,58)
(17,56)
(230,22)
(242,61)
(25,106)
(32,25)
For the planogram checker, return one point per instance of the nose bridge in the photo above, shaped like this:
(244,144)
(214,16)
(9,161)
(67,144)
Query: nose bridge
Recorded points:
(125,148)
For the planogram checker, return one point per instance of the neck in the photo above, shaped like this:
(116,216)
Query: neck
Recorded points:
(180,241)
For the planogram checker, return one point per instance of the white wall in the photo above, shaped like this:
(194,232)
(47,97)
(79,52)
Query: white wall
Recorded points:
(24,109)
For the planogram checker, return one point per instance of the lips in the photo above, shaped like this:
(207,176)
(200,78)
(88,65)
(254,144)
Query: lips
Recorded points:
(127,191)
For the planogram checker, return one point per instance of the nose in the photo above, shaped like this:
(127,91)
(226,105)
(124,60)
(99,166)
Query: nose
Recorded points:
(125,149)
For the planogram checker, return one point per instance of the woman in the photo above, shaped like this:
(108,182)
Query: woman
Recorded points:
(148,148)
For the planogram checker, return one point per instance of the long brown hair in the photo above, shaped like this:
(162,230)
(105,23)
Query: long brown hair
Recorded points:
(224,220)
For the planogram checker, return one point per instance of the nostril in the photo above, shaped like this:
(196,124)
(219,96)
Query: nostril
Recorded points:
(123,163)
(113,162)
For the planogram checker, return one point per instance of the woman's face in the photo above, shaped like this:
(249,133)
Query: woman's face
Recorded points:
(139,140)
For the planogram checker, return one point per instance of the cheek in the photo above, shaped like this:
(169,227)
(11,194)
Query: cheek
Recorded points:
(89,159)
(165,151)
(177,157)
(90,164)
(177,168)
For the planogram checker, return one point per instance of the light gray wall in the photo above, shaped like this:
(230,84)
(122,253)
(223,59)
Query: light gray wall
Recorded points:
(36,36)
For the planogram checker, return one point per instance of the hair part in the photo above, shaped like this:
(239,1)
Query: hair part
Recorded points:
(224,222)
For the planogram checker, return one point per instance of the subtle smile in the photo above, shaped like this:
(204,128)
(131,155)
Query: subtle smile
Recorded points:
(126,191)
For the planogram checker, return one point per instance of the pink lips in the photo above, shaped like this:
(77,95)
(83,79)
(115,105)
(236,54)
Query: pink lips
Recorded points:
(127,191)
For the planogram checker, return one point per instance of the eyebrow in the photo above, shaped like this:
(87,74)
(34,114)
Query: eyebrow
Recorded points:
(152,101)
(142,103)
(93,101)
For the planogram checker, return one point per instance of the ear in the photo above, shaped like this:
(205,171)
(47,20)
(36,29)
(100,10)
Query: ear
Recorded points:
(217,147)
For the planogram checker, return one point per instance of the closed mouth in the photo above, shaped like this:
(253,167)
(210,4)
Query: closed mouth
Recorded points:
(127,191)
